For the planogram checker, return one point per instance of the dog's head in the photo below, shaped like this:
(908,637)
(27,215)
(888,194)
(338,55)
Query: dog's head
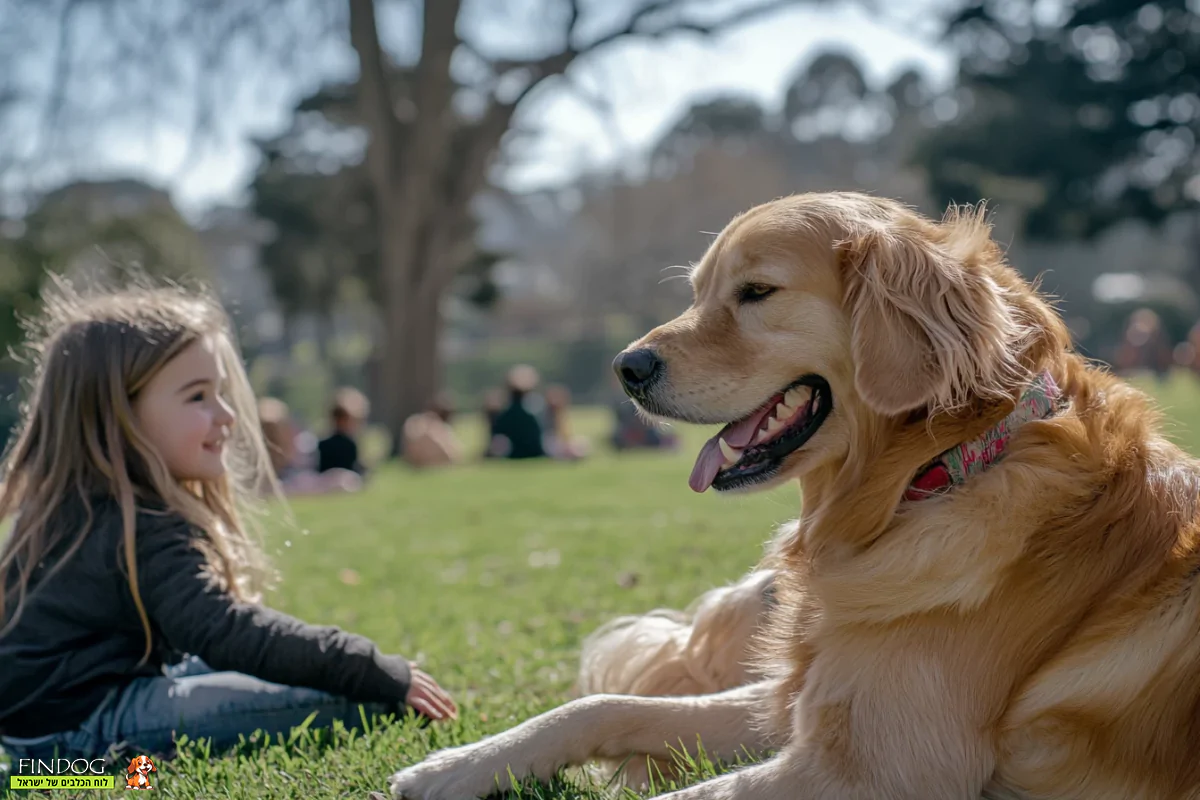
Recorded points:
(822,321)
(141,765)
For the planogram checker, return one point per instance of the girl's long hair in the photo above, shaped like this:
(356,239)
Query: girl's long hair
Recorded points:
(79,444)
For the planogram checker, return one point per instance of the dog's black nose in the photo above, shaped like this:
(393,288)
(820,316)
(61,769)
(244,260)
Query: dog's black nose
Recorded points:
(637,369)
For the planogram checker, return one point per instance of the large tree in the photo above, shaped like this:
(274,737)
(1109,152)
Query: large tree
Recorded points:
(1086,113)
(431,141)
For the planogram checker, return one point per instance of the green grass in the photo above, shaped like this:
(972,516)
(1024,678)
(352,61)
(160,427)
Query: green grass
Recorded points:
(490,575)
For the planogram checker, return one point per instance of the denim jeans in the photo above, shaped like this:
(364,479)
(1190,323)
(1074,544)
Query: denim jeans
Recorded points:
(145,716)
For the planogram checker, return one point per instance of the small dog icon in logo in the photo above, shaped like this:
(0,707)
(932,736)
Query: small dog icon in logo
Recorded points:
(139,770)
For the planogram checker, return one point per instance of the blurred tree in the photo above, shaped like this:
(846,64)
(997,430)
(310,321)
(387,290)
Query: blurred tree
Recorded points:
(325,226)
(432,130)
(720,119)
(722,155)
(831,89)
(20,280)
(1085,113)
(312,186)
(724,116)
(91,230)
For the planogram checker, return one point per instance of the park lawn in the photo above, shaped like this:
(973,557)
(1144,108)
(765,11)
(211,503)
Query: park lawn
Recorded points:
(490,575)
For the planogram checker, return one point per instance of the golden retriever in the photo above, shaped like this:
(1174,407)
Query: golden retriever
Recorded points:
(994,586)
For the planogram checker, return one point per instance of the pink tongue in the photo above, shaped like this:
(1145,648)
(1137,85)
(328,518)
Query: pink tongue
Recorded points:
(711,459)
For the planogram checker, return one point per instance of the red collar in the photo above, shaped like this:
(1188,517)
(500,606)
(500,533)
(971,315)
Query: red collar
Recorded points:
(954,466)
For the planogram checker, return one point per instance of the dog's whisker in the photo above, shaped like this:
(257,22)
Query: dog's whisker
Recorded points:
(687,269)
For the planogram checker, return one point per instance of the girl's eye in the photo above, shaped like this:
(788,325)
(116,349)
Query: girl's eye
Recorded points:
(754,292)
(198,397)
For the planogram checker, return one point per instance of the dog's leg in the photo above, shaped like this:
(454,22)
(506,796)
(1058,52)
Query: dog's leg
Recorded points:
(600,726)
(902,738)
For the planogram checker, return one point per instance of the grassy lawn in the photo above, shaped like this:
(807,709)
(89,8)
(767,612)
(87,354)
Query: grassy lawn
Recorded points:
(491,575)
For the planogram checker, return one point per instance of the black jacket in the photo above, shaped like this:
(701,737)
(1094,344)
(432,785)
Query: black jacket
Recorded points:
(523,430)
(338,451)
(80,636)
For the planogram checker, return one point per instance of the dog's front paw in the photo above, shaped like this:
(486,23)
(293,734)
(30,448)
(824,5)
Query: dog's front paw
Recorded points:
(456,774)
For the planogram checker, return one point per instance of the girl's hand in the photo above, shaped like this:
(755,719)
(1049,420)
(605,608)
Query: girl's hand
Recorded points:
(426,697)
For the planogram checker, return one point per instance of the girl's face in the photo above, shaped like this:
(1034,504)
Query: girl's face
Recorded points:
(182,412)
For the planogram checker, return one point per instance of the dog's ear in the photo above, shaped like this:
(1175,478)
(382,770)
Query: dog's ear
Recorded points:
(929,328)
(132,765)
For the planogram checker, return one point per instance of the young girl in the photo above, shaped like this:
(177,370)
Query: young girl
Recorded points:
(128,549)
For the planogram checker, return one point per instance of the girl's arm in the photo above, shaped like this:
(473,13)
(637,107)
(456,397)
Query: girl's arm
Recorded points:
(197,618)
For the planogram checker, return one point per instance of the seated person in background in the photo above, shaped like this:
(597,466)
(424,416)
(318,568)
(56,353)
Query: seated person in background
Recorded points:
(294,473)
(493,404)
(340,449)
(429,439)
(559,442)
(280,436)
(517,433)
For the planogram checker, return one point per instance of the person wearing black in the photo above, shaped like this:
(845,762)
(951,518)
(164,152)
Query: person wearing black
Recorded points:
(517,430)
(340,449)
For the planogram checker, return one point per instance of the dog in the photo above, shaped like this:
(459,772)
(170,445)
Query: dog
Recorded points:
(993,589)
(139,770)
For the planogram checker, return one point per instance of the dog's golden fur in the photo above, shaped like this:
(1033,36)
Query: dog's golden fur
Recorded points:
(1034,633)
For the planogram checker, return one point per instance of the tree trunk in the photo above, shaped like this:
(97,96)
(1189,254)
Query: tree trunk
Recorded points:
(422,379)
(410,369)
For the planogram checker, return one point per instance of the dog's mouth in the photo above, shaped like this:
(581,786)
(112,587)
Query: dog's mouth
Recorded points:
(752,449)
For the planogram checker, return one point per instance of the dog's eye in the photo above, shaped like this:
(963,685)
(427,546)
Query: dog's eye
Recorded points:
(754,292)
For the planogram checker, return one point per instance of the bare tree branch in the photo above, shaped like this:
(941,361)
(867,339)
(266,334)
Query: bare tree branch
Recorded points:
(572,20)
(470,172)
(434,87)
(374,96)
(61,75)
(142,63)
(636,26)
(468,176)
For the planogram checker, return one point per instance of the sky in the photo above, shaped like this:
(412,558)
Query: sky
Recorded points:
(647,85)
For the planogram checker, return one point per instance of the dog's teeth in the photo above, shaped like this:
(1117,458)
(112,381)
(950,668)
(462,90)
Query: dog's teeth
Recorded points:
(784,411)
(773,426)
(797,397)
(731,453)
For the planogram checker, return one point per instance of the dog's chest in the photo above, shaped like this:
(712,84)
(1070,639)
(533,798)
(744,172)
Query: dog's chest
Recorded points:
(946,553)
